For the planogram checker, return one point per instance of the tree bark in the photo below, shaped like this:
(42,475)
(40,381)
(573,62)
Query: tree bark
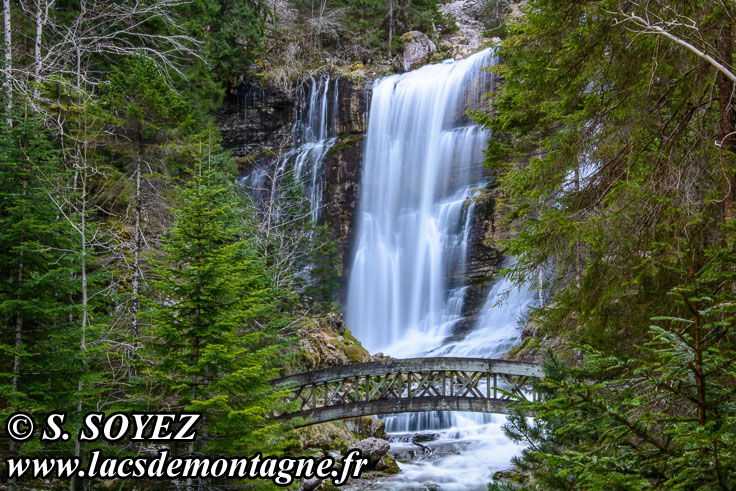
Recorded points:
(7,63)
(390,25)
(134,328)
(42,16)
(726,120)
(82,164)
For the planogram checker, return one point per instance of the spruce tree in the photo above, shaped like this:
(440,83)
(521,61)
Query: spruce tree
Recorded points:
(663,418)
(39,283)
(215,325)
(610,171)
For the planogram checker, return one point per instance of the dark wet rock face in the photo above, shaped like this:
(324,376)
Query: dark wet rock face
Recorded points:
(256,117)
(484,259)
(257,125)
(352,106)
(343,166)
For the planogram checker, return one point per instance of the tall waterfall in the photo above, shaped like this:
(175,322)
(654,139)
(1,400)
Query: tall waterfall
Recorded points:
(422,164)
(421,168)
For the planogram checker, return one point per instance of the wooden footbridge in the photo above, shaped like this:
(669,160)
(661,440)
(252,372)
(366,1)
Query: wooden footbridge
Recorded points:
(415,384)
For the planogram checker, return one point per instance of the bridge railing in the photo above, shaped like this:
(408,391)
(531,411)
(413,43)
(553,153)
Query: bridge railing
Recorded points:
(414,384)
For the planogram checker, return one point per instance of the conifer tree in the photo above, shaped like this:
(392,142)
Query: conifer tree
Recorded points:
(145,116)
(215,325)
(660,419)
(39,285)
(610,172)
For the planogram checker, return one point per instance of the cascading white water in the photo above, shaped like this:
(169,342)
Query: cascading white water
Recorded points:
(313,133)
(422,161)
(421,168)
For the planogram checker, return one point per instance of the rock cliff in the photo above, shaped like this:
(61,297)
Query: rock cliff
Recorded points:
(257,124)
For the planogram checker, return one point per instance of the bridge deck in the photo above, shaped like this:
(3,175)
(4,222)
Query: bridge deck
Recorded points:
(411,385)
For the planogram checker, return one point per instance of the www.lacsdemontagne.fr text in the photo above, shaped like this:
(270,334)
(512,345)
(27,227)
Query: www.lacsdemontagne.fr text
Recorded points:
(281,470)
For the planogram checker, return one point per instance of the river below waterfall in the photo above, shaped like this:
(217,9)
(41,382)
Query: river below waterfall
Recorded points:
(422,167)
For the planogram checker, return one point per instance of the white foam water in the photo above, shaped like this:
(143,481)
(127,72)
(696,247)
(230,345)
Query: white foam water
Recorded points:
(421,168)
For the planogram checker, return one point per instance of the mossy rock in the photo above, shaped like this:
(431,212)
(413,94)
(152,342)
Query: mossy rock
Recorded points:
(509,477)
(354,353)
(387,466)
(325,437)
(325,342)
(345,141)
(409,36)
(356,76)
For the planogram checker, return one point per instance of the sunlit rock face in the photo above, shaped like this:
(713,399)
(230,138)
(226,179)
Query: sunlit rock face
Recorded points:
(418,50)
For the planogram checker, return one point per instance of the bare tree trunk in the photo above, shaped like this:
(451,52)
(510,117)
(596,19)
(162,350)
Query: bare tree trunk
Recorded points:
(134,328)
(82,162)
(138,245)
(42,16)
(578,248)
(7,63)
(540,282)
(390,25)
(726,120)
(85,296)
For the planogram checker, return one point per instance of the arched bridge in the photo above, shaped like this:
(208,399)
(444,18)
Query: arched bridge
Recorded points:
(414,384)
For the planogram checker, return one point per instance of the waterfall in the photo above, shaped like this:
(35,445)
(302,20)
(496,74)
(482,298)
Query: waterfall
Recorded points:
(314,133)
(422,167)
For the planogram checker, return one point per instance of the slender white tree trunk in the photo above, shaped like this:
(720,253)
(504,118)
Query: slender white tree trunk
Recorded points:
(136,262)
(7,63)
(82,170)
(390,25)
(42,15)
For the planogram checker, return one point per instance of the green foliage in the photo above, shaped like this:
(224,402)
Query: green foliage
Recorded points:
(609,180)
(233,32)
(215,326)
(50,357)
(661,418)
(89,159)
(140,99)
(605,164)
(364,24)
(37,276)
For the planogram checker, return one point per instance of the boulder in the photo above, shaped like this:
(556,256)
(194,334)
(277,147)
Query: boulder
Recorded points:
(372,449)
(388,465)
(418,49)
(367,426)
(311,484)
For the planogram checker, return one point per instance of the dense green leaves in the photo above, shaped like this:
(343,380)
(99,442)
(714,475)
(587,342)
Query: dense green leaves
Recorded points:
(661,418)
(216,323)
(605,160)
(38,275)
(609,177)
